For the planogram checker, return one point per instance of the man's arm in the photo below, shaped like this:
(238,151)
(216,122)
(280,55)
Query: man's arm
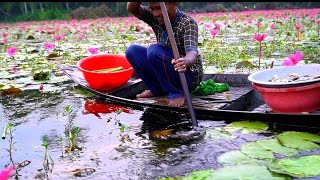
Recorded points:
(135,8)
(183,63)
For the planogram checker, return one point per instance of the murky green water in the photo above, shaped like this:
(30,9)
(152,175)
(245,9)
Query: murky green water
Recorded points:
(133,153)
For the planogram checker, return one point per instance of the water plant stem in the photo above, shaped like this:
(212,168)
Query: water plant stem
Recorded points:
(260,53)
(10,150)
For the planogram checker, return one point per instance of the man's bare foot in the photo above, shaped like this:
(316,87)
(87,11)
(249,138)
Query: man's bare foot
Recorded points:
(177,102)
(145,94)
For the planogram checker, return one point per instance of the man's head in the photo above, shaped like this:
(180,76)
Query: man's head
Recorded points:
(171,8)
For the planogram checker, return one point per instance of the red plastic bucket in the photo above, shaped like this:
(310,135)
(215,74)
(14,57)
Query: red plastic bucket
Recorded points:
(103,80)
(293,99)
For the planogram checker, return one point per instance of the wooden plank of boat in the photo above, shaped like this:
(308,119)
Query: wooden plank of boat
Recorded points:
(241,102)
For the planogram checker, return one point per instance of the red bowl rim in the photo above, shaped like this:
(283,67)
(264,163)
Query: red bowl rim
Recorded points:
(84,70)
(289,89)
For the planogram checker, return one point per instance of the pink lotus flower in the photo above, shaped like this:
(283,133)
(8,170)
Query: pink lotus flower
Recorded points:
(208,25)
(272,26)
(4,41)
(217,25)
(14,69)
(150,30)
(258,24)
(82,36)
(5,174)
(259,37)
(214,32)
(21,29)
(293,59)
(11,51)
(139,27)
(121,30)
(48,46)
(93,50)
(58,37)
(298,27)
(4,34)
(318,21)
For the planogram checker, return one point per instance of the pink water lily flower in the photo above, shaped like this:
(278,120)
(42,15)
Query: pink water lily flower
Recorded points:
(258,24)
(48,46)
(4,34)
(217,25)
(139,27)
(58,37)
(293,59)
(208,25)
(11,51)
(259,37)
(272,26)
(14,69)
(298,27)
(318,21)
(214,32)
(5,174)
(82,36)
(150,30)
(93,50)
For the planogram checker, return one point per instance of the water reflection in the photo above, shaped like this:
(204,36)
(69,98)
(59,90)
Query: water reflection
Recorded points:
(95,106)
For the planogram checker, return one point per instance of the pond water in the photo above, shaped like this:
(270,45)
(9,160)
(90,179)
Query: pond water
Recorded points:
(117,142)
(113,144)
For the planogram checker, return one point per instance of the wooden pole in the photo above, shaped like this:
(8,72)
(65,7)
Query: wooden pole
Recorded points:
(176,56)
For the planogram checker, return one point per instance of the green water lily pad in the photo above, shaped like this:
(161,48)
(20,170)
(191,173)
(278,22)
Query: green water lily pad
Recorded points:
(299,140)
(236,157)
(196,175)
(40,74)
(256,150)
(305,166)
(219,134)
(199,175)
(275,146)
(247,126)
(246,172)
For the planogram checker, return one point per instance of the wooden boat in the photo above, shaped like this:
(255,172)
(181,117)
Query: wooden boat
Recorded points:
(241,102)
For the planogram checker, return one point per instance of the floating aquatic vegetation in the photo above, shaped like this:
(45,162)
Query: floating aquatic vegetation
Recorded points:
(300,140)
(216,133)
(246,171)
(247,127)
(10,89)
(265,149)
(304,166)
(255,150)
(40,74)
(275,146)
(196,175)
(236,157)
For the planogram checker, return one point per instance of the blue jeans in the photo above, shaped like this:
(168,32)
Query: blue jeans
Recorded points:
(153,66)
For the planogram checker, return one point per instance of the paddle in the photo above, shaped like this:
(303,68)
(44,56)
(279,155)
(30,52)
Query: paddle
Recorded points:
(176,56)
